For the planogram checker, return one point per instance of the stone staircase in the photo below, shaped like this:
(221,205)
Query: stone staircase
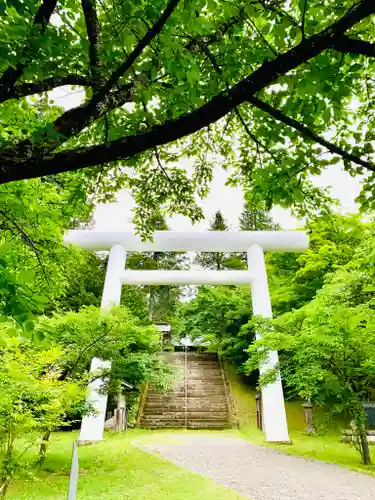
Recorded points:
(198,400)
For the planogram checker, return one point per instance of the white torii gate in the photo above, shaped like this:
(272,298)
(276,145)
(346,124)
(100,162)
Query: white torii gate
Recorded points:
(252,242)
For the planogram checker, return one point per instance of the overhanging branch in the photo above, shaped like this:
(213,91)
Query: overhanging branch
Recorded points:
(354,46)
(75,120)
(26,89)
(141,45)
(32,163)
(93,34)
(11,75)
(307,132)
(195,43)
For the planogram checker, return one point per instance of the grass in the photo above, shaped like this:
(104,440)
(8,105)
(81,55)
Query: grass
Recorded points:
(114,469)
(327,447)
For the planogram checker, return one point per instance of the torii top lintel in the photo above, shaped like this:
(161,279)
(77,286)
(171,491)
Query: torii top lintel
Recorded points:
(175,241)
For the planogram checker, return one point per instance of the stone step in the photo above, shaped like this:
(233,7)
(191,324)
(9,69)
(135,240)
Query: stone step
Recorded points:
(198,412)
(162,425)
(204,388)
(214,391)
(175,391)
(165,397)
(204,355)
(191,369)
(192,415)
(175,406)
(195,399)
(166,409)
(205,383)
(190,355)
(190,425)
(206,365)
(203,406)
(201,381)
(191,401)
(195,415)
(197,389)
(208,416)
(166,417)
(225,424)
(204,373)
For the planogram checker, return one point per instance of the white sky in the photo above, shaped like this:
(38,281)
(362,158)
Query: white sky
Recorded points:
(117,216)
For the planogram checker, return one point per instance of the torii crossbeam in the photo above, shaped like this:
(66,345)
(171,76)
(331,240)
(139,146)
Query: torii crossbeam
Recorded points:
(252,242)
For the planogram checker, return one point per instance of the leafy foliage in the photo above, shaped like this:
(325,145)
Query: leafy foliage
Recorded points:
(218,260)
(221,314)
(216,315)
(34,399)
(162,300)
(34,265)
(43,379)
(255,216)
(295,278)
(327,345)
(165,79)
(130,343)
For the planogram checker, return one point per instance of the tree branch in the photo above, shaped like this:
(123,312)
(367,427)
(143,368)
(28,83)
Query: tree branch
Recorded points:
(303,18)
(65,375)
(307,132)
(141,45)
(217,68)
(26,89)
(11,75)
(27,239)
(350,45)
(195,43)
(75,120)
(93,34)
(35,164)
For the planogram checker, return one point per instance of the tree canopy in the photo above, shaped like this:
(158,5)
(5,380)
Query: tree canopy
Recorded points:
(255,216)
(215,260)
(162,299)
(222,315)
(327,345)
(288,84)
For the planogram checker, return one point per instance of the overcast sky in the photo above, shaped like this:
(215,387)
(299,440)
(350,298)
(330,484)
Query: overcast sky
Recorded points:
(118,216)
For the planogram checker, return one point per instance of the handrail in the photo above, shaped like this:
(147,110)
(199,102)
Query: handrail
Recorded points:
(142,403)
(228,393)
(186,388)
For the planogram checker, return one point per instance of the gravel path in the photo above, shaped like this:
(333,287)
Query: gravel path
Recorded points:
(260,473)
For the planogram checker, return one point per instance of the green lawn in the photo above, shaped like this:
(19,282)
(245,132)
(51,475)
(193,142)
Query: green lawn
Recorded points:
(117,469)
(325,447)
(114,469)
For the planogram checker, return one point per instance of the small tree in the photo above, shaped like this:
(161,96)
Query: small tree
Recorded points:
(328,357)
(216,315)
(218,260)
(255,217)
(162,299)
(33,400)
(130,343)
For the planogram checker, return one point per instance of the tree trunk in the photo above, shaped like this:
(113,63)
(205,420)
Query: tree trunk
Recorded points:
(43,448)
(4,487)
(365,448)
(8,466)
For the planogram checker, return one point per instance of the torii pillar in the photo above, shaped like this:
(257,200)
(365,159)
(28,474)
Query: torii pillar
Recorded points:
(92,426)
